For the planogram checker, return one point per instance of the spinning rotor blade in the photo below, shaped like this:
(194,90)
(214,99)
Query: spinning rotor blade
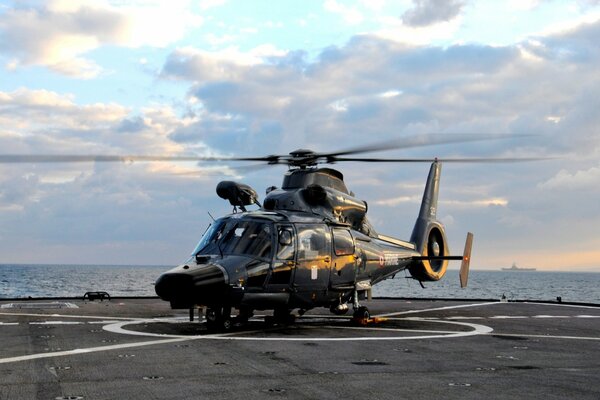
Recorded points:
(299,158)
(70,158)
(445,160)
(430,139)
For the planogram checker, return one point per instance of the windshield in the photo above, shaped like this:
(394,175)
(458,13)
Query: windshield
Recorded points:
(237,237)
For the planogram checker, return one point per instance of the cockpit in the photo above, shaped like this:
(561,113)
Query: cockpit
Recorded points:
(237,237)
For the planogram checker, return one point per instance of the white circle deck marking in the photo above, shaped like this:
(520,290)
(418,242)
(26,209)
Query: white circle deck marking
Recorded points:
(477,329)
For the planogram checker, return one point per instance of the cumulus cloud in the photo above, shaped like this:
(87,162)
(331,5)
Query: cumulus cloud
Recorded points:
(580,180)
(428,12)
(40,121)
(56,34)
(382,87)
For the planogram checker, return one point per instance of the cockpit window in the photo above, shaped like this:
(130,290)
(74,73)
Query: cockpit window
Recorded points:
(237,237)
(209,239)
(286,250)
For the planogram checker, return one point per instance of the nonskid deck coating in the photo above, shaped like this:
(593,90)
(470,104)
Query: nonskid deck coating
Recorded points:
(140,348)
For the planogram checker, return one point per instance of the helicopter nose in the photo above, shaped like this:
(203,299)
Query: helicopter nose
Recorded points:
(185,286)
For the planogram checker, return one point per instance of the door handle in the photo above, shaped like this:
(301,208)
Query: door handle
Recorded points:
(327,259)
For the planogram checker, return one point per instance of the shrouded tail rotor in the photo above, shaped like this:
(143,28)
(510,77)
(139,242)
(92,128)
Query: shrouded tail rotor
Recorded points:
(429,234)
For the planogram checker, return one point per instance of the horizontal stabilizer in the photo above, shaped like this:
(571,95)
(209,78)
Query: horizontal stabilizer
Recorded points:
(427,258)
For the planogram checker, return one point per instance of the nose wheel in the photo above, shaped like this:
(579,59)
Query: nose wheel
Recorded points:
(219,319)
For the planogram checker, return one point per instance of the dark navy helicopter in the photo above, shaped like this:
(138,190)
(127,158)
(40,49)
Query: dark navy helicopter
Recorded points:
(309,244)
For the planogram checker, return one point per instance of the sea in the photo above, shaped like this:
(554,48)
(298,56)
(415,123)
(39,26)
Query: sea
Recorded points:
(35,281)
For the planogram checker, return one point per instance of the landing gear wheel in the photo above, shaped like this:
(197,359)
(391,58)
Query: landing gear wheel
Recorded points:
(213,315)
(226,324)
(361,315)
(219,319)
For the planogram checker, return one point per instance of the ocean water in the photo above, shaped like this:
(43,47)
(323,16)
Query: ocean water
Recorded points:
(581,287)
(18,281)
(22,281)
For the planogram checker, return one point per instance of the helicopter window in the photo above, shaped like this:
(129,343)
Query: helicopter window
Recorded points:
(211,236)
(313,242)
(286,248)
(248,238)
(342,242)
(235,237)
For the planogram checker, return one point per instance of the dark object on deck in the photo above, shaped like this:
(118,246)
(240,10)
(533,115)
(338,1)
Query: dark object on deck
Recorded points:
(91,296)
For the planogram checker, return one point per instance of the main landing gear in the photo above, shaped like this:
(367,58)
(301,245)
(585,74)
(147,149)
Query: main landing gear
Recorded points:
(361,315)
(219,319)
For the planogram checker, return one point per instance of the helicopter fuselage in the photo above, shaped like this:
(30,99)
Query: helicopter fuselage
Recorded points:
(284,259)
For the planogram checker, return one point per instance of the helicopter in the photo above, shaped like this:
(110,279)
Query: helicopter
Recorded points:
(309,244)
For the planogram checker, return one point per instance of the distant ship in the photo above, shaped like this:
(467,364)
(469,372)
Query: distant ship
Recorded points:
(515,268)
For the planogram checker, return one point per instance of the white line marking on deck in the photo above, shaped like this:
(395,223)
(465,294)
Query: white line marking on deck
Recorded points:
(73,316)
(437,309)
(547,336)
(88,350)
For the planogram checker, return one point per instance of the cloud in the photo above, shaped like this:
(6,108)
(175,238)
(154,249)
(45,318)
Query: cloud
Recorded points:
(40,121)
(227,64)
(429,12)
(350,14)
(385,88)
(446,203)
(580,180)
(56,34)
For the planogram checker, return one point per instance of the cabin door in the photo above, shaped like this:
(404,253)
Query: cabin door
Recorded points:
(343,266)
(313,259)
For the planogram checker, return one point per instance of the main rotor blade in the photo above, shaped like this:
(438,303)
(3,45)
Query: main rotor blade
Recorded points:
(428,160)
(71,158)
(430,139)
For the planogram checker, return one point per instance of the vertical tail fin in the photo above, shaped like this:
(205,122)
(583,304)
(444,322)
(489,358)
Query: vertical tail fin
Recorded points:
(428,211)
(428,234)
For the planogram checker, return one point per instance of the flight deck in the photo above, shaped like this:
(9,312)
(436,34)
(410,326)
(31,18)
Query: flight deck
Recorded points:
(141,349)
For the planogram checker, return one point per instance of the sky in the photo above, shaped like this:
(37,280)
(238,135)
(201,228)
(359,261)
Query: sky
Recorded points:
(253,78)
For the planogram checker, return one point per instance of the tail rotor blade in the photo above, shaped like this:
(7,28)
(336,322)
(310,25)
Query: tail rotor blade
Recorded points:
(464,267)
